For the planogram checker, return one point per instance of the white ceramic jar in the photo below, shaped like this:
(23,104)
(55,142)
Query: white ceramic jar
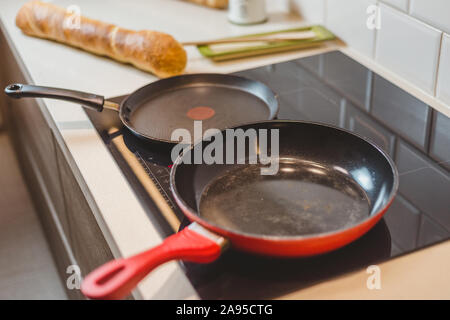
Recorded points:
(247,11)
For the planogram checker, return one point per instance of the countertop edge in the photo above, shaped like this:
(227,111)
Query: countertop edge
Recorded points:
(64,138)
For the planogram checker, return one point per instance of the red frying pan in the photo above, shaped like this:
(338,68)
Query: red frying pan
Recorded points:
(332,186)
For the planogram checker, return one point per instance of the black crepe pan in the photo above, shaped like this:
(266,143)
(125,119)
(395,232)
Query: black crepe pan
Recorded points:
(154,111)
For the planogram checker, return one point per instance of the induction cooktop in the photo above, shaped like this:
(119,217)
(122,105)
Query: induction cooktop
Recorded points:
(331,88)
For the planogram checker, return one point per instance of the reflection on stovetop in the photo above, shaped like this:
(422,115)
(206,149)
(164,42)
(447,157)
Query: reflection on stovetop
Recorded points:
(240,275)
(334,89)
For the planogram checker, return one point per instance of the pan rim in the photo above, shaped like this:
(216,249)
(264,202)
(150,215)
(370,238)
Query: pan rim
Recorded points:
(194,216)
(193,75)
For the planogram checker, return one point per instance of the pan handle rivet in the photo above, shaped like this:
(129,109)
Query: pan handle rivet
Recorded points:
(14,87)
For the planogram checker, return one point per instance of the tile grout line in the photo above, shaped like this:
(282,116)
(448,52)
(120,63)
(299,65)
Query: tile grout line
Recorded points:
(429,131)
(438,63)
(375,36)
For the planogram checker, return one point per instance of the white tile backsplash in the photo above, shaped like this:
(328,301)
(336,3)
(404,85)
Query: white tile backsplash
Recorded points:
(311,10)
(347,19)
(443,85)
(409,44)
(433,12)
(399,4)
(408,47)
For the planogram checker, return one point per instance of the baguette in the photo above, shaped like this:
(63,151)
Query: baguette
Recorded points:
(152,51)
(218,4)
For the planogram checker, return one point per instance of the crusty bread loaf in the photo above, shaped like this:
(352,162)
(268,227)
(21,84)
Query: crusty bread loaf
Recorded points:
(219,4)
(152,51)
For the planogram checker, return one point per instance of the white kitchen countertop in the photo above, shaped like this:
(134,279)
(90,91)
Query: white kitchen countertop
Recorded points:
(120,215)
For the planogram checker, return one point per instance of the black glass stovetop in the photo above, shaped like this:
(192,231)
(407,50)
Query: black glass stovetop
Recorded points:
(334,89)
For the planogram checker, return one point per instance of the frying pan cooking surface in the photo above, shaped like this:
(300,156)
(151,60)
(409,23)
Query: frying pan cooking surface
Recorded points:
(154,111)
(329,180)
(218,106)
(302,199)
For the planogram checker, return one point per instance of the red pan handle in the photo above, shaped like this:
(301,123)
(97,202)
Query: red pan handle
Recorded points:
(117,278)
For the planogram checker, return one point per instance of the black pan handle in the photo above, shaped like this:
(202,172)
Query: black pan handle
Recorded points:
(89,100)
